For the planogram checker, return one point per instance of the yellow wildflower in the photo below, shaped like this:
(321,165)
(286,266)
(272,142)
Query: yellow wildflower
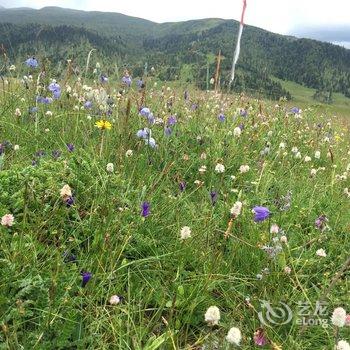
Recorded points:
(103,124)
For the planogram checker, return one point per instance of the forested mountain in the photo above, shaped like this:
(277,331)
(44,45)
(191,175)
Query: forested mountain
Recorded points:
(184,50)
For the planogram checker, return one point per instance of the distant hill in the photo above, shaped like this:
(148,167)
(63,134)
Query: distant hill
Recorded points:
(184,50)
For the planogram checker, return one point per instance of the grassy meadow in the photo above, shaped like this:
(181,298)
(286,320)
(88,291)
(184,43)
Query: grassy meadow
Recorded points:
(128,223)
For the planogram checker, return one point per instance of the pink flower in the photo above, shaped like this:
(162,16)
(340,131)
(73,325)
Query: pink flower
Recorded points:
(259,337)
(7,220)
(347,320)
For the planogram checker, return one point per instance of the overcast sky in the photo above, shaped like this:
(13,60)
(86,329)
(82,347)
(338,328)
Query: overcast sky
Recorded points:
(281,16)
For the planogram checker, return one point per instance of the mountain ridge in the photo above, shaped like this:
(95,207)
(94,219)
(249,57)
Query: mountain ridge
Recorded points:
(187,46)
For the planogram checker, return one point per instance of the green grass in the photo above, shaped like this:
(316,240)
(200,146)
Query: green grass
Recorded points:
(303,97)
(166,284)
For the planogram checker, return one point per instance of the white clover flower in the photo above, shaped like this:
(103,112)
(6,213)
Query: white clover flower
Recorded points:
(48,113)
(274,229)
(295,150)
(129,153)
(338,317)
(18,112)
(185,232)
(284,239)
(236,209)
(298,155)
(12,68)
(16,147)
(202,169)
(317,155)
(114,300)
(321,252)
(287,270)
(307,159)
(313,172)
(212,315)
(244,169)
(237,132)
(66,191)
(110,167)
(234,336)
(282,145)
(343,345)
(203,156)
(219,168)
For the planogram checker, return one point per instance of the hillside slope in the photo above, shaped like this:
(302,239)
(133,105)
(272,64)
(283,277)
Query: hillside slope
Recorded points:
(181,49)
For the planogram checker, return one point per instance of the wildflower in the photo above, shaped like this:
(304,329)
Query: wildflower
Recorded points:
(167,131)
(48,113)
(65,191)
(212,315)
(347,320)
(145,112)
(114,300)
(103,124)
(144,133)
(18,112)
(307,159)
(185,233)
(12,68)
(103,79)
(182,186)
(338,317)
(295,150)
(237,132)
(295,110)
(110,167)
(317,154)
(259,337)
(69,201)
(274,229)
(32,62)
(282,145)
(298,155)
(261,213)
(236,209)
(287,270)
(284,239)
(203,156)
(321,252)
(244,169)
(145,209)
(127,80)
(202,169)
(343,345)
(321,222)
(151,142)
(128,153)
(70,147)
(7,220)
(56,154)
(234,336)
(86,277)
(16,147)
(313,172)
(88,105)
(221,117)
(172,120)
(213,197)
(219,168)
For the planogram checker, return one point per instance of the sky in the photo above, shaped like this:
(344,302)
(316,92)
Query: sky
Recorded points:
(280,16)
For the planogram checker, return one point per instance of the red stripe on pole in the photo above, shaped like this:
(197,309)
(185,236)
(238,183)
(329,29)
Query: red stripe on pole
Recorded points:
(243,11)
